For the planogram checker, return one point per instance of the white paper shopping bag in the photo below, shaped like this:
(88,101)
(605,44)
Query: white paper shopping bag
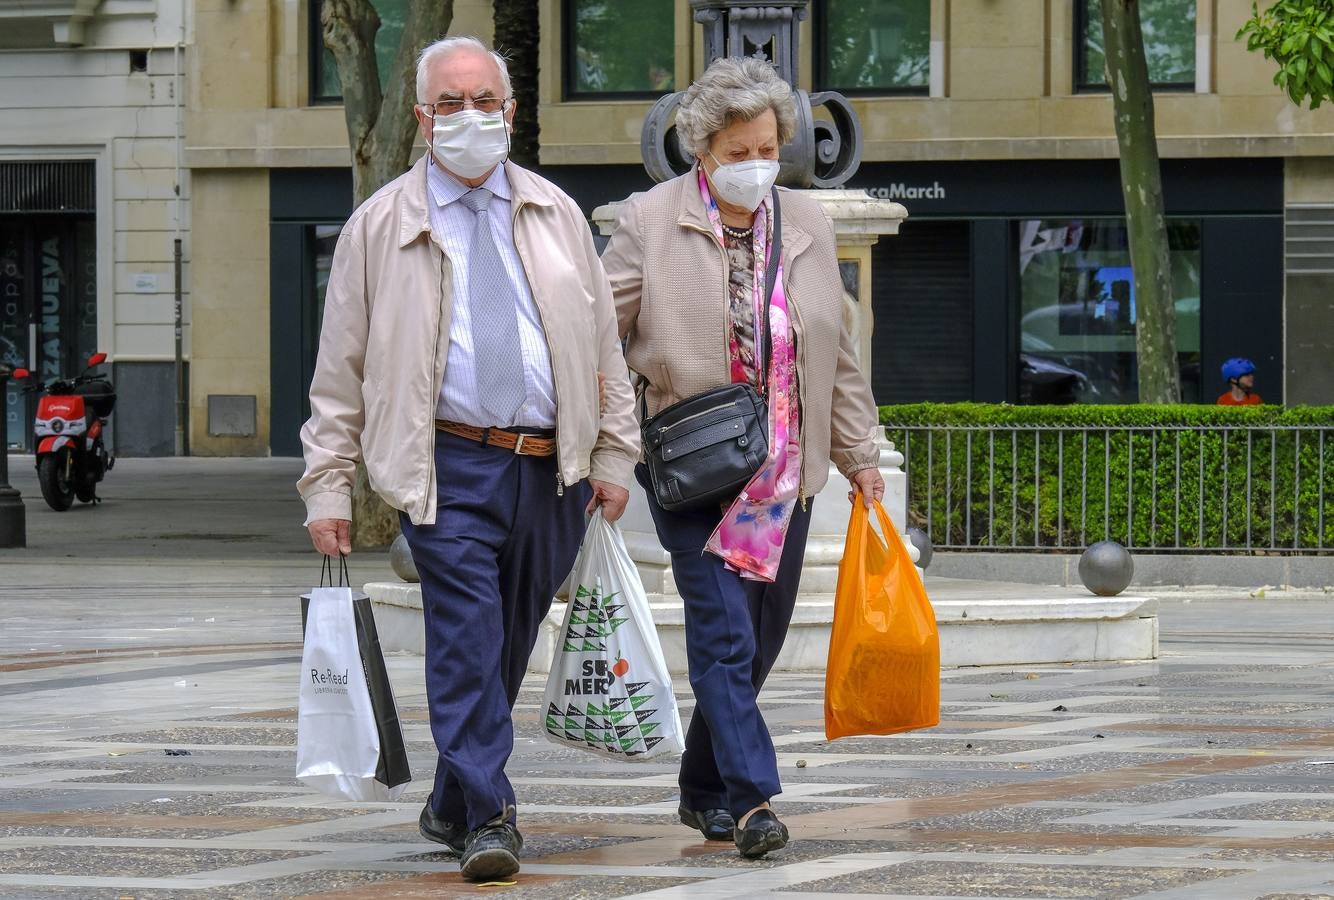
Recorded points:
(609,691)
(337,744)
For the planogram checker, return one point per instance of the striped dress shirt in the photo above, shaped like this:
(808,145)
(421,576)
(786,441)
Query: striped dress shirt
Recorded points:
(453,224)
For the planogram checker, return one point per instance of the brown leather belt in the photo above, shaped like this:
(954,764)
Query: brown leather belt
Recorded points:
(521,444)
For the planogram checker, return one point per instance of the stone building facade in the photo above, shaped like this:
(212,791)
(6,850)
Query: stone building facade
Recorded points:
(92,200)
(986,120)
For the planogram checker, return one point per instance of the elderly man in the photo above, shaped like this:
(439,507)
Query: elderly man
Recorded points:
(467,326)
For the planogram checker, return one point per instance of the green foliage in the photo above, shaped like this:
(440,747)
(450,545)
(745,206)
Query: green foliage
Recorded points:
(1146,476)
(1299,36)
(623,47)
(873,44)
(393,14)
(1168,28)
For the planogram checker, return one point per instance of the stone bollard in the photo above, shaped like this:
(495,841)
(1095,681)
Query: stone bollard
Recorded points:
(401,561)
(1106,568)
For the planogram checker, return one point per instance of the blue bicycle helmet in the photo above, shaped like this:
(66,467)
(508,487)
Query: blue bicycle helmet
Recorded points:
(1236,367)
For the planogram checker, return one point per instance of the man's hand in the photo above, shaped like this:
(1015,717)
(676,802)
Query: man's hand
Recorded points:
(869,484)
(331,537)
(611,497)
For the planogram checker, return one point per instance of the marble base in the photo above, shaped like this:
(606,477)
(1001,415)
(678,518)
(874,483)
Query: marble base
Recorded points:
(973,631)
(981,623)
(398,615)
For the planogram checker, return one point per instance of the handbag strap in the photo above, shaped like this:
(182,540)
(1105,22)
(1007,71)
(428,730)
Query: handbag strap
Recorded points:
(763,345)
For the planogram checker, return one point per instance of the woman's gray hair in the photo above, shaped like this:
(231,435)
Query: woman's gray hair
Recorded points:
(733,90)
(444,47)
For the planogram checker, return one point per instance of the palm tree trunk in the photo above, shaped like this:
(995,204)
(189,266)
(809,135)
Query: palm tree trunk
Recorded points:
(517,32)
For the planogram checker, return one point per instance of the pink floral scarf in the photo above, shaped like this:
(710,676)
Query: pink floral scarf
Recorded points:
(750,537)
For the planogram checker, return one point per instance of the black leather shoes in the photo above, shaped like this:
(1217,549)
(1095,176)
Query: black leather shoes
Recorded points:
(447,833)
(491,852)
(714,824)
(763,833)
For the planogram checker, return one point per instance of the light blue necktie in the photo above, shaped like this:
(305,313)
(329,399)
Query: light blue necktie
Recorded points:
(497,355)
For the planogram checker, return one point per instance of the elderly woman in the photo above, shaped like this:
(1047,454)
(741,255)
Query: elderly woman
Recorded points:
(688,264)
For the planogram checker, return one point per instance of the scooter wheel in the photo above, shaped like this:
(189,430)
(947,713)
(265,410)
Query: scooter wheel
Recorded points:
(56,489)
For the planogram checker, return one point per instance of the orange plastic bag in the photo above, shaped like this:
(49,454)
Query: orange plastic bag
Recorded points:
(884,654)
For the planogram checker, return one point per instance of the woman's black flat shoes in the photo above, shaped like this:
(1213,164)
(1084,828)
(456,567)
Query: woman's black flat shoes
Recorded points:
(714,824)
(763,834)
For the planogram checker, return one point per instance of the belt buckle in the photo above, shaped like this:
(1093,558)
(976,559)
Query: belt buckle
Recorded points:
(518,445)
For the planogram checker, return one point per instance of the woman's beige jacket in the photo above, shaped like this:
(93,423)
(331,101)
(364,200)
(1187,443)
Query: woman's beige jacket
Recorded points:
(668,274)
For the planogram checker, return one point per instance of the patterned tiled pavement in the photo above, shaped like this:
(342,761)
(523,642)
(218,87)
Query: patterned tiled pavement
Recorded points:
(147,754)
(172,629)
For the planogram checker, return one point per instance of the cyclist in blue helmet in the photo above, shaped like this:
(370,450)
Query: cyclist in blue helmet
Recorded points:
(1239,373)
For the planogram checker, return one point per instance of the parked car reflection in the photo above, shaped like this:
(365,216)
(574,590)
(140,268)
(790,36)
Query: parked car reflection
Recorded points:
(1046,381)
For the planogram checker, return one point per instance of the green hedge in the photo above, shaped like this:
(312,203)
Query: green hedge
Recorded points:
(1102,479)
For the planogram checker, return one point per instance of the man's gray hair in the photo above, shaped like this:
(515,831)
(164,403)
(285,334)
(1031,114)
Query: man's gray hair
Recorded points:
(733,90)
(444,47)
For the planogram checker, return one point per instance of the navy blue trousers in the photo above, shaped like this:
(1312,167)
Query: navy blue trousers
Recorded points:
(502,543)
(734,630)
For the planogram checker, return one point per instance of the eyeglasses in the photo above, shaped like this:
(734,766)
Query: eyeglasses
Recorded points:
(481,104)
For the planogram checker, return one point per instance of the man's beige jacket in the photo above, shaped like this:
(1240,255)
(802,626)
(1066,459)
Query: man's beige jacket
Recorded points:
(385,340)
(669,275)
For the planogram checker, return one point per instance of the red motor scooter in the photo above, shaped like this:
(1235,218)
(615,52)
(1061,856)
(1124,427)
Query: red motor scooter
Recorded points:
(71,454)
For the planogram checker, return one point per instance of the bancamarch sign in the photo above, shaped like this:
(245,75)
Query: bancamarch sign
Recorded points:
(899,191)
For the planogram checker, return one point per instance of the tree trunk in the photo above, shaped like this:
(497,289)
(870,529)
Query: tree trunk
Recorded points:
(1142,190)
(517,32)
(381,130)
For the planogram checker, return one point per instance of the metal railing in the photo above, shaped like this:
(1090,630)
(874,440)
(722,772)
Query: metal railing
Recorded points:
(1198,488)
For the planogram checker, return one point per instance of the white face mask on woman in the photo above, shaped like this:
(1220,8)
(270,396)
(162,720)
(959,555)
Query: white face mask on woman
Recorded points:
(470,143)
(744,184)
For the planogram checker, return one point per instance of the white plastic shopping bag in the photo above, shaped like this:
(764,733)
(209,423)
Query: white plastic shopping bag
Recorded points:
(609,691)
(337,739)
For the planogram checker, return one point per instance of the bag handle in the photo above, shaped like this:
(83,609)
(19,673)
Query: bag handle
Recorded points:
(861,531)
(886,524)
(327,571)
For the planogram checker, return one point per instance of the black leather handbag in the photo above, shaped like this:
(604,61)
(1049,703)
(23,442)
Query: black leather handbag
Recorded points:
(701,451)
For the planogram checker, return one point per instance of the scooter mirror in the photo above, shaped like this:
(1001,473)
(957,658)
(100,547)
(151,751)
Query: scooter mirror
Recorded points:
(96,359)
(21,373)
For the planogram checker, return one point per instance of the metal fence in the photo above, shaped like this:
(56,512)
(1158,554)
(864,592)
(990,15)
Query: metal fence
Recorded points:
(1202,489)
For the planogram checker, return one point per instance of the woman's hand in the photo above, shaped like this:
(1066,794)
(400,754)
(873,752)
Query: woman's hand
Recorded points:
(869,484)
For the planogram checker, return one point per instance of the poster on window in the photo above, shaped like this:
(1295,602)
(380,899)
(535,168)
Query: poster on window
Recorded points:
(13,334)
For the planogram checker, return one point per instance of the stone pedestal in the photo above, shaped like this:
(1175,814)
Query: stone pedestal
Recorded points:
(859,221)
(980,623)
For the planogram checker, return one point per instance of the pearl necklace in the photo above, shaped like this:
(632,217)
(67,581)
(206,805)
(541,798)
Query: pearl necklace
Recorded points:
(739,233)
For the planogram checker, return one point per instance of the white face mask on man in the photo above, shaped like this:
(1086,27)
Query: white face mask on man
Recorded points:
(470,143)
(744,184)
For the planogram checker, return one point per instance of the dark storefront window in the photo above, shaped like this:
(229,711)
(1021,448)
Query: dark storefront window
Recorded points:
(321,242)
(922,294)
(873,47)
(324,84)
(307,208)
(48,278)
(618,49)
(1078,314)
(1169,44)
